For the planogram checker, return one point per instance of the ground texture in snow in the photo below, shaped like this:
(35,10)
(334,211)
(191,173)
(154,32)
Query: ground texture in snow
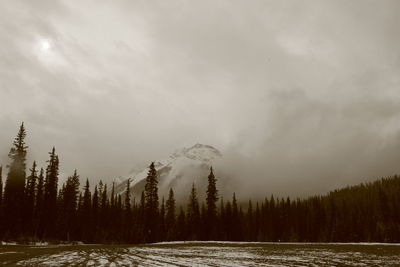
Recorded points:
(203,254)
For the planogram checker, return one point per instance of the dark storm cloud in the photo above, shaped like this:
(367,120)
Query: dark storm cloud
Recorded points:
(300,97)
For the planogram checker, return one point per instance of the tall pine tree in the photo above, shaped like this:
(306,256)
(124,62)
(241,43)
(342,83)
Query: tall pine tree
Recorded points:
(212,198)
(29,206)
(70,204)
(193,215)
(151,204)
(39,207)
(15,185)
(50,196)
(127,224)
(170,216)
(85,213)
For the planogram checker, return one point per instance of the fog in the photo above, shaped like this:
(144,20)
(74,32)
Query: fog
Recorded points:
(300,97)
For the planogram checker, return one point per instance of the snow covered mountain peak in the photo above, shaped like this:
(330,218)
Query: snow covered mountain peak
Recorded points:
(179,171)
(198,152)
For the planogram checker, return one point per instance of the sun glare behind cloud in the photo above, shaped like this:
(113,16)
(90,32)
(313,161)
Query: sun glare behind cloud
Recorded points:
(44,45)
(47,54)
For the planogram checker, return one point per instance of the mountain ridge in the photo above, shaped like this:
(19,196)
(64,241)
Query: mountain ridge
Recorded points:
(179,171)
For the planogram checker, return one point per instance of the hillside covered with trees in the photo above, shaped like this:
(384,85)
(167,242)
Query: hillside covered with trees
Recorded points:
(33,207)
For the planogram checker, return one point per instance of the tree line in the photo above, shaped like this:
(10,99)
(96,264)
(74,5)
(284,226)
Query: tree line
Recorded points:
(33,208)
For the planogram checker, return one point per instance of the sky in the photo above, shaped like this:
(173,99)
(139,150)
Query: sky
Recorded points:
(300,96)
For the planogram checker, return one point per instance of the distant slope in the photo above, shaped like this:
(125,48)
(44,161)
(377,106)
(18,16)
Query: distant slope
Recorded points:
(183,168)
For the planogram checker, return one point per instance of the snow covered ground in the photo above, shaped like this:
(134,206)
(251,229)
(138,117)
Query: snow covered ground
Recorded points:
(204,254)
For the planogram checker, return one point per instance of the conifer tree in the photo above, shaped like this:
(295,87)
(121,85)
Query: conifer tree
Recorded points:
(151,204)
(227,222)
(39,207)
(78,233)
(61,225)
(15,185)
(203,225)
(236,234)
(170,216)
(95,213)
(86,213)
(162,228)
(127,213)
(193,215)
(50,195)
(104,198)
(30,191)
(70,204)
(119,219)
(181,225)
(140,219)
(211,199)
(250,222)
(104,211)
(221,231)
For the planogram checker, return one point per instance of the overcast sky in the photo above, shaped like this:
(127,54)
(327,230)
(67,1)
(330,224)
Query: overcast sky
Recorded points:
(300,96)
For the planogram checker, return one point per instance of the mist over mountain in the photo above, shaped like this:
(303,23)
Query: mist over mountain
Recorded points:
(184,167)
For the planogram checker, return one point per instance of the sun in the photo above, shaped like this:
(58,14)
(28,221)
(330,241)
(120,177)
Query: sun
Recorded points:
(46,52)
(44,45)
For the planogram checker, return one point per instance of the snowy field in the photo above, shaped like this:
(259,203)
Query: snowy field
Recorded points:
(203,254)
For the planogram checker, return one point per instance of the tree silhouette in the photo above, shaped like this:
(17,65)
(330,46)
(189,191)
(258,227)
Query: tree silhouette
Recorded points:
(193,215)
(211,199)
(15,185)
(29,206)
(50,196)
(170,216)
(151,204)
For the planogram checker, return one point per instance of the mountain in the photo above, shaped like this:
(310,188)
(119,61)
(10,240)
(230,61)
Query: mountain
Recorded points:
(183,168)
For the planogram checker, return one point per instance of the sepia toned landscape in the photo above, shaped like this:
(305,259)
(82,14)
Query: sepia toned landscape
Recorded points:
(199,133)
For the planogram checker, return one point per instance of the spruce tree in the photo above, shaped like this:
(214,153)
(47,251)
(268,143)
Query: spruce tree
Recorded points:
(78,233)
(181,225)
(211,199)
(140,219)
(29,206)
(227,222)
(15,185)
(104,198)
(161,227)
(104,212)
(50,195)
(236,234)
(127,223)
(95,213)
(86,211)
(39,207)
(203,222)
(221,231)
(70,204)
(193,215)
(119,219)
(170,216)
(151,204)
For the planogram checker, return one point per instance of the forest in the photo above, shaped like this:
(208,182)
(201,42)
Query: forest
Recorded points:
(34,208)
